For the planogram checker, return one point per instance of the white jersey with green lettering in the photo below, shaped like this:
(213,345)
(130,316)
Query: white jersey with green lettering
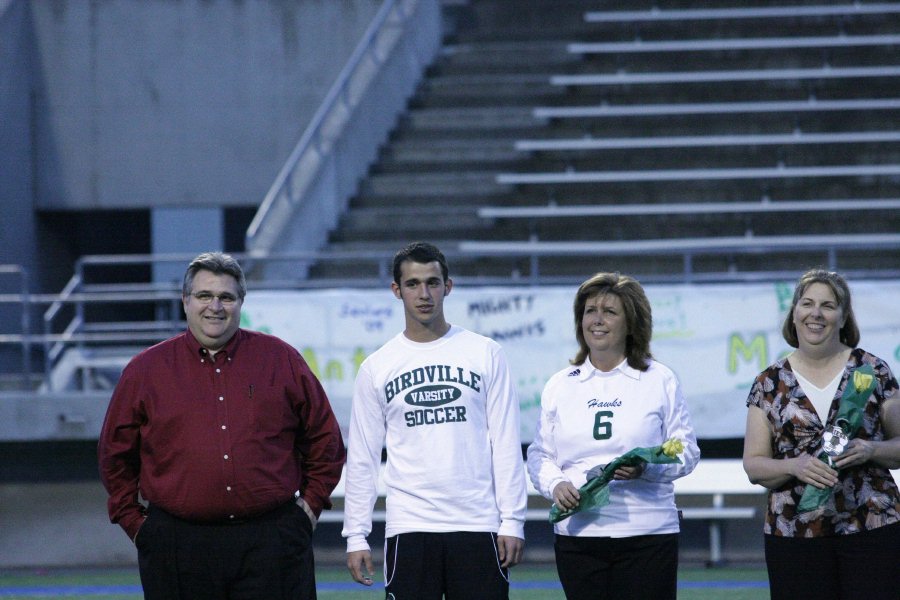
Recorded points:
(448,414)
(590,417)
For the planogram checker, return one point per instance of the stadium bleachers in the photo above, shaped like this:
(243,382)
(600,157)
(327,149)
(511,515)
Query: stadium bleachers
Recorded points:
(726,141)
(656,106)
(712,142)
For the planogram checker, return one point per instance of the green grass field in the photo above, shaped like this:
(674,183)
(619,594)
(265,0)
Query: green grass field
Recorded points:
(530,582)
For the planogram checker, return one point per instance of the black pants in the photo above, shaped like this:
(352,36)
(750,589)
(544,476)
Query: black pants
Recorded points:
(599,568)
(266,558)
(841,567)
(460,565)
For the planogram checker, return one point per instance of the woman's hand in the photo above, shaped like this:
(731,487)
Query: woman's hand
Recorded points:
(565,495)
(632,472)
(809,469)
(856,453)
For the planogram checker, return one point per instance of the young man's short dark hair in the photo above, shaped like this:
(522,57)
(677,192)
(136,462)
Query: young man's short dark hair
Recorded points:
(420,252)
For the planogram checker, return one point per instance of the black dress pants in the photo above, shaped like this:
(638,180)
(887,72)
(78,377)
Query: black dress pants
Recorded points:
(864,565)
(602,568)
(269,557)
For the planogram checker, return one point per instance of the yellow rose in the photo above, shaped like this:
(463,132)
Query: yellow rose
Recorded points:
(861,381)
(672,447)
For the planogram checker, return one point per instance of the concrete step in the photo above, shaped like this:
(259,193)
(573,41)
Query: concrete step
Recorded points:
(632,192)
(554,57)
(652,227)
(538,19)
(743,122)
(418,152)
(477,119)
(524,20)
(487,90)
(507,57)
(531,91)
(799,58)
(434,184)
(374,222)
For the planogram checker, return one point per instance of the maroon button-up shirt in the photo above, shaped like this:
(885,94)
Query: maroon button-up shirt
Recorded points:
(218,438)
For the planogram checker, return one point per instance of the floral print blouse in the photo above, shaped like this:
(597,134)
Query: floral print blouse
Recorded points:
(866,497)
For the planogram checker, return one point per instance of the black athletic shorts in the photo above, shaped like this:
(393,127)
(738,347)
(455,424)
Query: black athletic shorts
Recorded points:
(457,566)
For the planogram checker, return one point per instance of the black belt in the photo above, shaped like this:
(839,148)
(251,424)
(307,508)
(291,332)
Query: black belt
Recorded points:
(265,515)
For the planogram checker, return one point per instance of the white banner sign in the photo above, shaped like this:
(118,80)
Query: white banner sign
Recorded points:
(715,337)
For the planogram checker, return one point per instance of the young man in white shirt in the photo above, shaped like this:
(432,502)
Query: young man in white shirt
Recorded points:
(441,399)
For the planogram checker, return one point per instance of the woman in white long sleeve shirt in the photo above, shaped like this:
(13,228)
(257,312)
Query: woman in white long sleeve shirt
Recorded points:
(613,398)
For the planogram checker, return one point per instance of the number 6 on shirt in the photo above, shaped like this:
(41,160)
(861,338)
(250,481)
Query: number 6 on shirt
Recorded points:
(602,429)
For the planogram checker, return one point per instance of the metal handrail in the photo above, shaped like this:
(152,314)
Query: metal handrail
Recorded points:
(313,135)
(304,167)
(82,290)
(535,249)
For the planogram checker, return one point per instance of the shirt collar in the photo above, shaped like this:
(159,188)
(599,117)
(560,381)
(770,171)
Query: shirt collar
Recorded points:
(588,370)
(228,350)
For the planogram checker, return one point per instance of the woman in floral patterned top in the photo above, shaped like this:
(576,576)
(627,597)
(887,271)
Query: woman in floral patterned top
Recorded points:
(849,547)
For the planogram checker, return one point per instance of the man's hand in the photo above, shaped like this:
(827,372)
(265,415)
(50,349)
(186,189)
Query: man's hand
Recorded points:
(360,565)
(510,549)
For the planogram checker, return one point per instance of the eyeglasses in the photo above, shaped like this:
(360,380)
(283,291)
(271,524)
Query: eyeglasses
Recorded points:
(206,298)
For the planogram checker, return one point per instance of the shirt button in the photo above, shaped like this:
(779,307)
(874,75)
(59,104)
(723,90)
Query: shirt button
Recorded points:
(221,398)
(226,457)
(223,427)
(230,516)
(227,488)
(218,370)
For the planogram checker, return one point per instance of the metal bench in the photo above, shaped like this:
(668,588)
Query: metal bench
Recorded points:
(712,478)
(729,44)
(760,12)
(710,108)
(777,172)
(825,72)
(706,141)
(717,478)
(607,210)
(710,244)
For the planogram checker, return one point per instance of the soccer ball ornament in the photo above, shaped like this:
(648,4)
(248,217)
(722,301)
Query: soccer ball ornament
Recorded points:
(835,441)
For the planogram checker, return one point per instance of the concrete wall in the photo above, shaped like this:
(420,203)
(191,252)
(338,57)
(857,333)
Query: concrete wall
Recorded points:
(66,525)
(15,137)
(152,102)
(147,104)
(59,524)
(17,220)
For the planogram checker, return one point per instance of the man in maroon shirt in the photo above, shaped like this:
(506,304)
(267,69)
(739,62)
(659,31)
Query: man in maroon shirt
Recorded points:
(231,442)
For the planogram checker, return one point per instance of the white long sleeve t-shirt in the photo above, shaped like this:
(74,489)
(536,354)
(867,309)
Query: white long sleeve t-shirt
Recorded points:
(448,413)
(590,417)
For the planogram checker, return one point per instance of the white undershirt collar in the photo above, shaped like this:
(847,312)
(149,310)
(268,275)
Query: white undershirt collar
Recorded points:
(820,398)
(588,370)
